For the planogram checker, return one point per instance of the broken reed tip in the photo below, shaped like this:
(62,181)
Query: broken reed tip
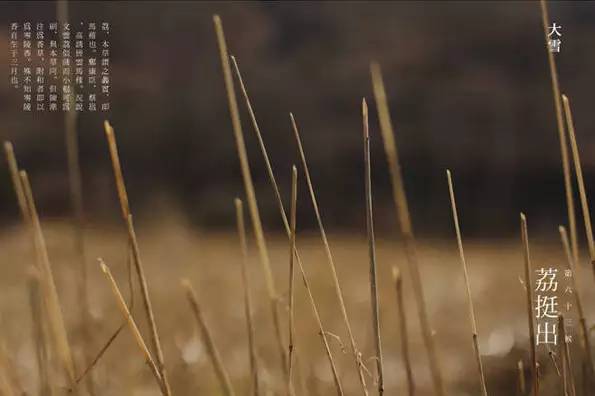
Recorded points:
(364,106)
(565,99)
(561,229)
(233,58)
(523,217)
(448,173)
(217,19)
(237,202)
(8,146)
(293,169)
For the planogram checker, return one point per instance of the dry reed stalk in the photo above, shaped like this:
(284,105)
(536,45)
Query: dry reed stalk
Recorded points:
(580,181)
(122,197)
(133,327)
(39,333)
(207,337)
(329,256)
(292,211)
(35,301)
(403,331)
(50,294)
(571,265)
(561,134)
(567,374)
(148,307)
(249,188)
(247,297)
(529,294)
(472,318)
(521,375)
(372,250)
(271,175)
(404,221)
(134,255)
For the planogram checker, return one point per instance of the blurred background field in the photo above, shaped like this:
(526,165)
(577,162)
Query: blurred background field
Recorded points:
(172,250)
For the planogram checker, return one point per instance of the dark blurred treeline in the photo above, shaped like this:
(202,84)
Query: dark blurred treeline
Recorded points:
(468,85)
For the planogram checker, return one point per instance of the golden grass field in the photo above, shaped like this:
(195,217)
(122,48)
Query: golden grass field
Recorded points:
(171,250)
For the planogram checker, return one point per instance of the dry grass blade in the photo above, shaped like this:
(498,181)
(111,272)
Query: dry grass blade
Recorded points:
(403,331)
(249,187)
(561,133)
(580,181)
(148,306)
(50,295)
(207,337)
(571,265)
(472,318)
(372,249)
(404,221)
(122,198)
(322,332)
(329,256)
(529,294)
(291,275)
(41,345)
(134,256)
(133,327)
(247,297)
(39,332)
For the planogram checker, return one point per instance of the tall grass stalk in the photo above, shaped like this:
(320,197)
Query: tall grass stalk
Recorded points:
(273,181)
(529,296)
(293,208)
(253,357)
(249,189)
(338,291)
(148,307)
(561,132)
(404,221)
(133,327)
(207,337)
(50,295)
(372,250)
(398,280)
(580,182)
(134,257)
(473,320)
